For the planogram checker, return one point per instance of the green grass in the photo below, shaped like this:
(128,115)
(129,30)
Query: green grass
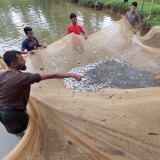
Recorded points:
(121,7)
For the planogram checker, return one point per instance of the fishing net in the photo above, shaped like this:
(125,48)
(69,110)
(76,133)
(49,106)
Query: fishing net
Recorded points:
(108,122)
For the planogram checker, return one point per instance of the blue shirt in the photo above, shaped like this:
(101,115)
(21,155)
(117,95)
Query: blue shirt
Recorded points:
(30,44)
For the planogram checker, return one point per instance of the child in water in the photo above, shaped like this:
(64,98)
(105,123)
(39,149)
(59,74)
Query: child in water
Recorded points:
(75,27)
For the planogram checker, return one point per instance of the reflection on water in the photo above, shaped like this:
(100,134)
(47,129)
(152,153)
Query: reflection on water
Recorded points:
(48,18)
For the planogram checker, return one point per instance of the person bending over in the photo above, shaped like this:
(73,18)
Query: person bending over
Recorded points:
(15,90)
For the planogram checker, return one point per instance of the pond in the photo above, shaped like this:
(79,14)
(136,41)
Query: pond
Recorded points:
(48,18)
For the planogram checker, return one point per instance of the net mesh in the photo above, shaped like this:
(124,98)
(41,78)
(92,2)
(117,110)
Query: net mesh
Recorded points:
(119,124)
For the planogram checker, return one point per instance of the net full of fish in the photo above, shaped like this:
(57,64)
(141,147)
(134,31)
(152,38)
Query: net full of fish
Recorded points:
(112,73)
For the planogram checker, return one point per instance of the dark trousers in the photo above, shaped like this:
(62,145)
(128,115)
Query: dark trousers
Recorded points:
(14,120)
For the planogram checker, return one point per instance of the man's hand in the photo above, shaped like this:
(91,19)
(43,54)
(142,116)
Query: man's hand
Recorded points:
(77,77)
(42,46)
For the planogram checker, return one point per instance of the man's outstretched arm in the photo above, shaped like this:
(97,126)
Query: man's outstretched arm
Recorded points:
(45,76)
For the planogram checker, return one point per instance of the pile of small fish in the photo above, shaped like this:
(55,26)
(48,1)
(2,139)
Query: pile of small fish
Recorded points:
(112,73)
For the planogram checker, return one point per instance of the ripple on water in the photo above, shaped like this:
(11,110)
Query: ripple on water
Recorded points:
(109,74)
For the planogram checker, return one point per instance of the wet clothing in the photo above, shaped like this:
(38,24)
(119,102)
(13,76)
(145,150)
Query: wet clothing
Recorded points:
(30,44)
(133,18)
(77,29)
(14,94)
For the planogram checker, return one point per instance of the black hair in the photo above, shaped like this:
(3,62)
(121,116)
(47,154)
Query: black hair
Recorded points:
(26,29)
(72,15)
(10,56)
(134,4)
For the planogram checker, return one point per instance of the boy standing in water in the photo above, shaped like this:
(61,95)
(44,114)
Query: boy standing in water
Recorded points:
(75,27)
(30,43)
(133,17)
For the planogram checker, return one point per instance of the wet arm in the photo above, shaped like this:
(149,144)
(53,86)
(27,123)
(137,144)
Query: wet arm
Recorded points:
(138,26)
(82,31)
(27,52)
(40,45)
(85,35)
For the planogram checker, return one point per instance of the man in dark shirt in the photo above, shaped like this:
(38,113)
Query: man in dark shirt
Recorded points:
(15,89)
(30,43)
(133,17)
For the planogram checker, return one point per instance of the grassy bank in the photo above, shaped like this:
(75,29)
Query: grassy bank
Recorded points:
(121,7)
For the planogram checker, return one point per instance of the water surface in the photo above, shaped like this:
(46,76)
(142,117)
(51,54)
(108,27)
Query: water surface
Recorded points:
(48,18)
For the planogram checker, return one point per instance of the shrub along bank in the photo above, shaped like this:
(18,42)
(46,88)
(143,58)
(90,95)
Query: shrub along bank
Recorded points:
(150,13)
